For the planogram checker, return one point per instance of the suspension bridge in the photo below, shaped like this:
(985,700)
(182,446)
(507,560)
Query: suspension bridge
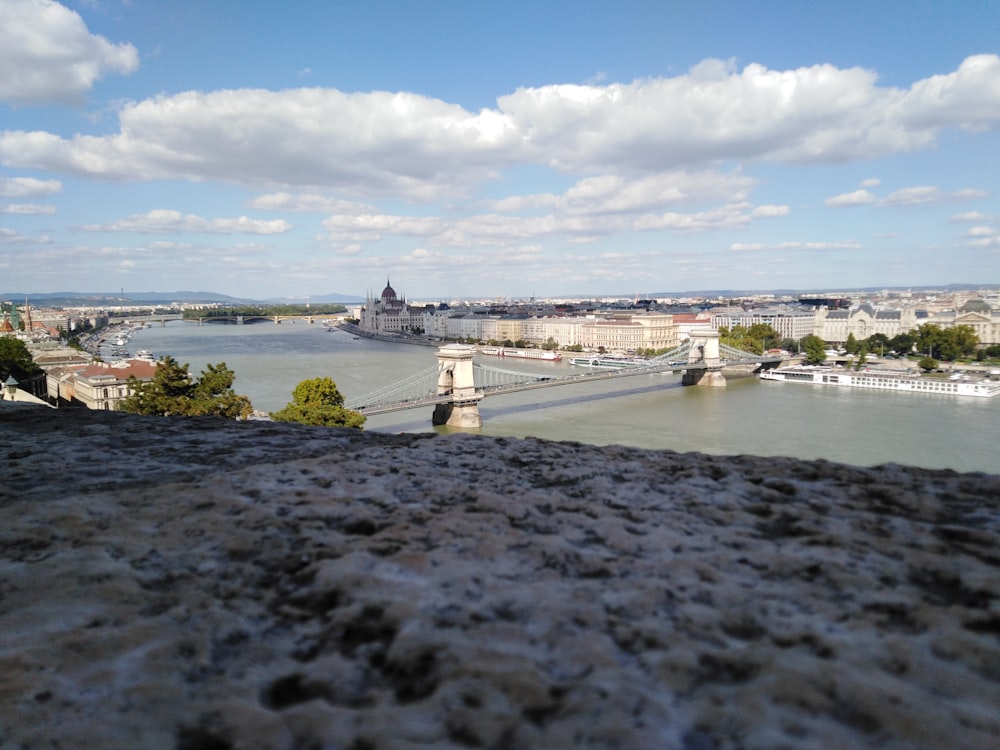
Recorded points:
(456,384)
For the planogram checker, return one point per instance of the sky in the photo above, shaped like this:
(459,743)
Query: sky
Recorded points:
(466,149)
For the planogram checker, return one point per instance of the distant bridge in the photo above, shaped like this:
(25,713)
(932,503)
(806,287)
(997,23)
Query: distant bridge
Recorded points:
(162,319)
(456,384)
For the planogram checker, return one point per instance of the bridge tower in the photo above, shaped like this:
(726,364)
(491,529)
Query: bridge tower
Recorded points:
(705,351)
(455,378)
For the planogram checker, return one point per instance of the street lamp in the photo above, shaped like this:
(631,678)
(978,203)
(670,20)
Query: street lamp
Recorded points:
(10,385)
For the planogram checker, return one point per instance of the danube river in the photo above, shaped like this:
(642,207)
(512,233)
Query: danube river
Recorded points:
(649,411)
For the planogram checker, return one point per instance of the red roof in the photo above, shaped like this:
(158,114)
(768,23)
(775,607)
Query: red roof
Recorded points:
(137,367)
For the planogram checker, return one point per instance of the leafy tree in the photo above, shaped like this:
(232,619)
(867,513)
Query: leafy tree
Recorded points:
(172,392)
(927,364)
(319,402)
(550,344)
(928,339)
(814,348)
(16,360)
(958,341)
(902,343)
(878,342)
(851,345)
(862,357)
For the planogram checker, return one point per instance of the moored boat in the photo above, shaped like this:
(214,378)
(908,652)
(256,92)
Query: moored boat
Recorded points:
(607,362)
(502,351)
(886,380)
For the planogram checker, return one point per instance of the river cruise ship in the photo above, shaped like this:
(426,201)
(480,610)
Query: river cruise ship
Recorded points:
(502,351)
(607,362)
(885,380)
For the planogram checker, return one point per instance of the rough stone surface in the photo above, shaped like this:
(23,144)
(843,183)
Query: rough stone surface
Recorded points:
(198,585)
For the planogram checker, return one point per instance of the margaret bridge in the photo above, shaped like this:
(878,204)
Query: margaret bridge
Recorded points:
(456,384)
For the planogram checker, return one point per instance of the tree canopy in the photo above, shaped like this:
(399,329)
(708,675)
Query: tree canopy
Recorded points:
(173,392)
(319,402)
(814,348)
(16,360)
(755,338)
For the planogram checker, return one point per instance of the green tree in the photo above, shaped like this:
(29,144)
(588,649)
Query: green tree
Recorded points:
(173,392)
(319,402)
(851,345)
(879,342)
(16,360)
(862,357)
(928,339)
(814,348)
(902,343)
(959,341)
(927,364)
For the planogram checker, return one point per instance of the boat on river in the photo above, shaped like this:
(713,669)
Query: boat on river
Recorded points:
(886,380)
(503,351)
(608,362)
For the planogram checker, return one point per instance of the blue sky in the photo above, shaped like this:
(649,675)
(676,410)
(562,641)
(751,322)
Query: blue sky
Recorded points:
(575,148)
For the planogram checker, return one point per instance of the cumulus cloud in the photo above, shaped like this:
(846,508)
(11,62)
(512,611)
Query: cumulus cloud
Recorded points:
(844,200)
(871,182)
(10,237)
(369,145)
(163,220)
(26,209)
(928,194)
(28,187)
(746,246)
(48,55)
(309,203)
(971,216)
(588,210)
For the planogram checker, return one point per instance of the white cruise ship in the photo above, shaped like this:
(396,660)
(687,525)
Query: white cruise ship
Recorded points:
(885,380)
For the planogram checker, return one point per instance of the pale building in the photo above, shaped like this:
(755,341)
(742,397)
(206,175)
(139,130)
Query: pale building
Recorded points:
(389,313)
(835,326)
(976,314)
(100,385)
(629,333)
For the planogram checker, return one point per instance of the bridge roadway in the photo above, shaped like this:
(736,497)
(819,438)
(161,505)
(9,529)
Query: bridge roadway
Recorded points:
(544,382)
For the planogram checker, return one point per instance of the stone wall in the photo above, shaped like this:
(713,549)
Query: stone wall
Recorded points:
(198,584)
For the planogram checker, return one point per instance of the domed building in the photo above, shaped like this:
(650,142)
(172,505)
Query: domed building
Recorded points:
(389,313)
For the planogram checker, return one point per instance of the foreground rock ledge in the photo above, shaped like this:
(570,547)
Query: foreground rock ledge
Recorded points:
(197,584)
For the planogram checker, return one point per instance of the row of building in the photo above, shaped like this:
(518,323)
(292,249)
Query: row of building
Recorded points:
(628,331)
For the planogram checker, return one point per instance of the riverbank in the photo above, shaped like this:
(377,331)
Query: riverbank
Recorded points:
(194,583)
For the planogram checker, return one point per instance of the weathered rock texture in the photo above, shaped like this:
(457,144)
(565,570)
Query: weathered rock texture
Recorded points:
(197,584)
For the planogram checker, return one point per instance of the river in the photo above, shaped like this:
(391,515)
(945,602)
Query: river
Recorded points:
(749,416)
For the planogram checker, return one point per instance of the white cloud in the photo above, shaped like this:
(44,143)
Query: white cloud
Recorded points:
(48,55)
(871,182)
(927,194)
(971,216)
(163,220)
(10,237)
(981,232)
(857,198)
(309,203)
(26,209)
(769,212)
(846,245)
(420,148)
(590,209)
(28,187)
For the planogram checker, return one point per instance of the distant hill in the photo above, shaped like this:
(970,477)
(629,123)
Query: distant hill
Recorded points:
(112,299)
(315,299)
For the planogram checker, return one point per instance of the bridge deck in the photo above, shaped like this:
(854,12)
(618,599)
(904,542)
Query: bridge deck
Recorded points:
(540,381)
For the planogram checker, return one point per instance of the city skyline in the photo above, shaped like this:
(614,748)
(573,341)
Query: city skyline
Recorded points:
(572,150)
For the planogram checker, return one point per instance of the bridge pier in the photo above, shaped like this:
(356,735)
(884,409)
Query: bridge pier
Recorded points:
(705,351)
(456,379)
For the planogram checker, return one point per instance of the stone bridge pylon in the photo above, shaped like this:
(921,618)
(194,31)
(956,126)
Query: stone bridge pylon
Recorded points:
(456,379)
(705,350)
